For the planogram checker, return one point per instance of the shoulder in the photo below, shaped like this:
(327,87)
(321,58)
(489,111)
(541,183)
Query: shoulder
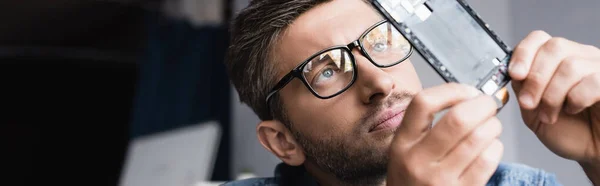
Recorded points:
(253,182)
(517,174)
(284,175)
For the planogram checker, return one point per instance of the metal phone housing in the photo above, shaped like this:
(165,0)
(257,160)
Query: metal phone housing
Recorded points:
(454,40)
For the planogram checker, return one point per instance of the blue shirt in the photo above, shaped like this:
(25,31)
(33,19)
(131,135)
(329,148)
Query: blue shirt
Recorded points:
(505,175)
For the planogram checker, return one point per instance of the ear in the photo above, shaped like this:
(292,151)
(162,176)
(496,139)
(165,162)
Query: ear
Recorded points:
(275,137)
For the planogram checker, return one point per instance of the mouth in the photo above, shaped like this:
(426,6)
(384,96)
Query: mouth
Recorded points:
(388,119)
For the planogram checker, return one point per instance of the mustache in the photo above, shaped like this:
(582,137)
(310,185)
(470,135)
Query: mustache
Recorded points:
(375,108)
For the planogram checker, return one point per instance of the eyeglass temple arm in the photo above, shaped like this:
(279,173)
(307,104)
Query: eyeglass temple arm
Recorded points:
(284,81)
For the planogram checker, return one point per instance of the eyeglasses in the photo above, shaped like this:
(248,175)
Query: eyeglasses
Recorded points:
(332,71)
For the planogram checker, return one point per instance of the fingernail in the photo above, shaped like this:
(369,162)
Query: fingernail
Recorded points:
(544,117)
(526,99)
(517,69)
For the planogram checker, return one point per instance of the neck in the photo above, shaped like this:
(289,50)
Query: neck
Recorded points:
(592,171)
(326,178)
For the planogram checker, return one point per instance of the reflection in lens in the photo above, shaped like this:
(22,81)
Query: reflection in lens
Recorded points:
(385,45)
(330,72)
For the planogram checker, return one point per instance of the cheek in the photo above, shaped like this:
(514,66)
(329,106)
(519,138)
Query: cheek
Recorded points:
(319,118)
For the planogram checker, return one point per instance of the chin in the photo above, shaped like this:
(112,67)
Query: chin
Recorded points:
(383,135)
(382,141)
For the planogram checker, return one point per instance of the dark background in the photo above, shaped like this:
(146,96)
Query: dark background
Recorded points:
(80,79)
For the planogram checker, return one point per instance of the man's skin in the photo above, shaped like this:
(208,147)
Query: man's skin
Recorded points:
(557,82)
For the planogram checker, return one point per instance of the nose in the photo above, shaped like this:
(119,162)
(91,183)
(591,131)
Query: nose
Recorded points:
(373,83)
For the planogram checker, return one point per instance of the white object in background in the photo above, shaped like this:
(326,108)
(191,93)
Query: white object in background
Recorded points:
(209,183)
(197,12)
(245,175)
(181,157)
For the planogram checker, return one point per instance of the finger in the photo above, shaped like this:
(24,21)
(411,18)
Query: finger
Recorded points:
(592,52)
(570,72)
(584,94)
(459,122)
(420,112)
(463,154)
(482,168)
(546,61)
(524,53)
(516,85)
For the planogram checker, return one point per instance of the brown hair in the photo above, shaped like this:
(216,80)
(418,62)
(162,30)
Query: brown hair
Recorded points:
(250,62)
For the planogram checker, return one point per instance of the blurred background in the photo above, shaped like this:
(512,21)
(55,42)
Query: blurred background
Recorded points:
(134,92)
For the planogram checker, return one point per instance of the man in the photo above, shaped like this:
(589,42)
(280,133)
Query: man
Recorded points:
(341,104)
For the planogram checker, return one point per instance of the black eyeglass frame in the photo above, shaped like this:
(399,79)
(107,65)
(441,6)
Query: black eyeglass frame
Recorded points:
(297,71)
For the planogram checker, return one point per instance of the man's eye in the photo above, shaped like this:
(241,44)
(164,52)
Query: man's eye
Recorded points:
(324,76)
(380,47)
(327,73)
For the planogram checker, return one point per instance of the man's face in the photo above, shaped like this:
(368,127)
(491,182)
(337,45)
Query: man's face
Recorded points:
(348,135)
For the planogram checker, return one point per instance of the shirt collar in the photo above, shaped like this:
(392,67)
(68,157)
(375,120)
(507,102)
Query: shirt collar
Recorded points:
(294,176)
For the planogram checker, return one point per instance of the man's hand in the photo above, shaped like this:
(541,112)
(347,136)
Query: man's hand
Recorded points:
(461,149)
(557,82)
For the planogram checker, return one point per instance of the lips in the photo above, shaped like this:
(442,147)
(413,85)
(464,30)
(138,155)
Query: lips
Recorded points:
(388,119)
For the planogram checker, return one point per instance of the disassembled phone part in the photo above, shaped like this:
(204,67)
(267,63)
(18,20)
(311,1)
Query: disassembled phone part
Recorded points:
(454,40)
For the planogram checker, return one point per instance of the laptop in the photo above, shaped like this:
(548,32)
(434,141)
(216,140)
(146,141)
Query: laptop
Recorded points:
(180,157)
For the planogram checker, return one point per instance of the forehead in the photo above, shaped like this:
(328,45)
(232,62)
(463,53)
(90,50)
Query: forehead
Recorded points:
(338,22)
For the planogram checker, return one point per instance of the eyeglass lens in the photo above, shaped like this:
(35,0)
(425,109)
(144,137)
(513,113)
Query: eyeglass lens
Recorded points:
(329,72)
(385,45)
